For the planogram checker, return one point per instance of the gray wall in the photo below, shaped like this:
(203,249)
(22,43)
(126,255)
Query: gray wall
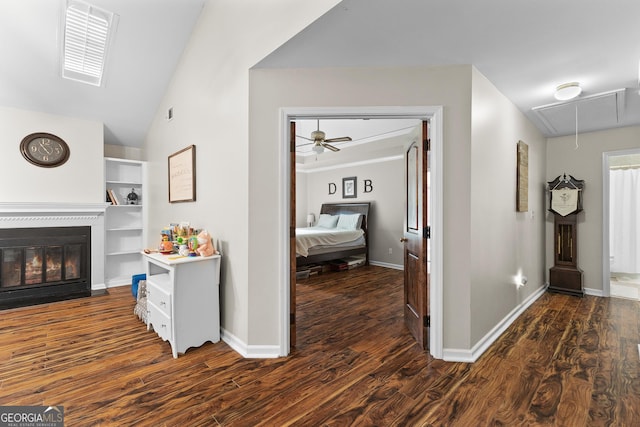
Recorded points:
(585,162)
(386,197)
(209,94)
(504,242)
(485,240)
(274,89)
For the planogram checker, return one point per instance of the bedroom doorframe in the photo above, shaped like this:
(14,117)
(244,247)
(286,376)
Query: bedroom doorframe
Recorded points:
(432,113)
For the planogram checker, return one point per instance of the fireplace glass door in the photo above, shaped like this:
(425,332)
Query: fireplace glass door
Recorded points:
(44,264)
(40,264)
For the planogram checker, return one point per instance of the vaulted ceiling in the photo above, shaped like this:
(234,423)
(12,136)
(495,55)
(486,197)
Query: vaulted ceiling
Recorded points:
(525,49)
(150,38)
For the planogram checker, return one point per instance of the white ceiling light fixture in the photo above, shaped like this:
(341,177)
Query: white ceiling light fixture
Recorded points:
(568,91)
(87,33)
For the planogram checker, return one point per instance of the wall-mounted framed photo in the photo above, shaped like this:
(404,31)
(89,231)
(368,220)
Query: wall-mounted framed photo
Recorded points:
(349,186)
(182,175)
(522,184)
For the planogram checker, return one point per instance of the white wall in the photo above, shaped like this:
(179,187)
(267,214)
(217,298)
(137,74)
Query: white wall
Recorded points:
(385,223)
(79,180)
(122,152)
(504,242)
(585,162)
(209,94)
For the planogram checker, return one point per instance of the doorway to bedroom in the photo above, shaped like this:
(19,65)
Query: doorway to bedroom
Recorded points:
(367,169)
(365,164)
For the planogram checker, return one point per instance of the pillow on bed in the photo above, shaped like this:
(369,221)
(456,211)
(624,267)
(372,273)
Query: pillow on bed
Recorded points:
(327,221)
(349,222)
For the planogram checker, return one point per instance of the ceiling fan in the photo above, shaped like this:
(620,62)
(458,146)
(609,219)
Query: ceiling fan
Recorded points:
(320,143)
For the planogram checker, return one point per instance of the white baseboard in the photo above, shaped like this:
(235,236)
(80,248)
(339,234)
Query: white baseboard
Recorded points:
(457,355)
(594,292)
(249,351)
(448,354)
(470,356)
(387,265)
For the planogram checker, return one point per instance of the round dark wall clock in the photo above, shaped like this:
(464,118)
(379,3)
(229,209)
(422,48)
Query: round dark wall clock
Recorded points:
(44,149)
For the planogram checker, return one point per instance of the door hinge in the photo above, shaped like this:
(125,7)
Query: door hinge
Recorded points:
(426,232)
(427,321)
(427,145)
(292,318)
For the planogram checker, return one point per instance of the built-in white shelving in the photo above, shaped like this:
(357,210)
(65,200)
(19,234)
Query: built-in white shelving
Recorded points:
(125,224)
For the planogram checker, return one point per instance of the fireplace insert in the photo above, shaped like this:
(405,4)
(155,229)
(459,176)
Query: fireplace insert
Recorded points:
(39,265)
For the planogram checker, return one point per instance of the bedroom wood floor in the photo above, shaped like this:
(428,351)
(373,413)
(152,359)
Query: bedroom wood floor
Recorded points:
(567,361)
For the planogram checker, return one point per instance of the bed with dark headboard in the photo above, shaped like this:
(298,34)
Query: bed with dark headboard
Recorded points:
(330,254)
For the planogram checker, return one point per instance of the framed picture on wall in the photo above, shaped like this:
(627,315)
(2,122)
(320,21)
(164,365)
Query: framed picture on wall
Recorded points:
(522,184)
(349,186)
(182,175)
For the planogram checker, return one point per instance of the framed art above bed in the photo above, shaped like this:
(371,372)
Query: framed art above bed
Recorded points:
(349,186)
(341,231)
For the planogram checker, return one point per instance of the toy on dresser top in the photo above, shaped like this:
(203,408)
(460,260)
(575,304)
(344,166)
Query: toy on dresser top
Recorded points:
(186,241)
(205,244)
(166,246)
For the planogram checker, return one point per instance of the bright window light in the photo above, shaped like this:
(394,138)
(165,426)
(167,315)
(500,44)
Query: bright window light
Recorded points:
(87,30)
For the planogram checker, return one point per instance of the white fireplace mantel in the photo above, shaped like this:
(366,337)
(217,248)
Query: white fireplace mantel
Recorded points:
(56,208)
(33,215)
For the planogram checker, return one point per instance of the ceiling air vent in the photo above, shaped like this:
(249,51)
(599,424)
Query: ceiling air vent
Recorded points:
(599,111)
(85,41)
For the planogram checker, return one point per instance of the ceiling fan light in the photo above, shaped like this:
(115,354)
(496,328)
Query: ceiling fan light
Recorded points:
(568,91)
(318,135)
(318,148)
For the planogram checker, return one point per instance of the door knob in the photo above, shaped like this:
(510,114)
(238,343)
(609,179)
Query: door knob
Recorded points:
(404,239)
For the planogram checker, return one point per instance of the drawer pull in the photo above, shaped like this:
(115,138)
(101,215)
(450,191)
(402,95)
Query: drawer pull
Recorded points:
(163,303)
(163,325)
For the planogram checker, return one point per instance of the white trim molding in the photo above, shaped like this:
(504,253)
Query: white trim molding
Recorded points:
(249,351)
(594,292)
(432,113)
(387,265)
(470,356)
(15,209)
(350,164)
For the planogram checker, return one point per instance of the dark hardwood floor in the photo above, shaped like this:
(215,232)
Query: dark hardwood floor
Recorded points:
(567,361)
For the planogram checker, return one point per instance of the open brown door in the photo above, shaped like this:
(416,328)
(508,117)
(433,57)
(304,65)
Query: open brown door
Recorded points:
(292,236)
(416,233)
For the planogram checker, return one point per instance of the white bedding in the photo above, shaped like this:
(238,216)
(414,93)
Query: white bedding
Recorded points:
(307,238)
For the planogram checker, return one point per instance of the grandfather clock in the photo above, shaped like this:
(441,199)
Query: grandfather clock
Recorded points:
(565,202)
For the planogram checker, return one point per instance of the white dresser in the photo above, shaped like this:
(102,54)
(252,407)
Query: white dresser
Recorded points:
(183,299)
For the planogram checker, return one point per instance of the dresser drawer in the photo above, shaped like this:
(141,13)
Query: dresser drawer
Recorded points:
(159,297)
(160,322)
